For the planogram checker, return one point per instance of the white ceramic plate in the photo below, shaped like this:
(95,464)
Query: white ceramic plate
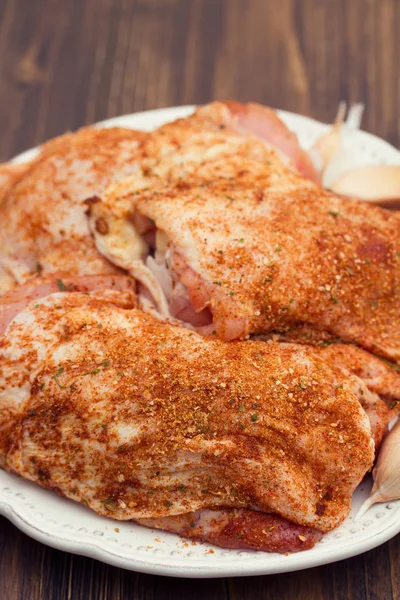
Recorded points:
(65,525)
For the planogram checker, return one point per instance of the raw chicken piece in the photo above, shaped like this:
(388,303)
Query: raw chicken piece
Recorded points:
(15,301)
(381,380)
(106,415)
(43,223)
(222,129)
(260,249)
(9,174)
(376,384)
(239,528)
(378,376)
(264,123)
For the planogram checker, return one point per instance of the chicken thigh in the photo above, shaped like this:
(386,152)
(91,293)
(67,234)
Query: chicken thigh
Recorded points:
(245,246)
(44,227)
(95,404)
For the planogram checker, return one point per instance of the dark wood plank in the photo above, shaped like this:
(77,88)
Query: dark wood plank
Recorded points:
(66,64)
(29,570)
(90,60)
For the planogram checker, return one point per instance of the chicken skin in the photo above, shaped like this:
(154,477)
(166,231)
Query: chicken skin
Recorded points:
(255,444)
(219,130)
(243,246)
(44,227)
(235,438)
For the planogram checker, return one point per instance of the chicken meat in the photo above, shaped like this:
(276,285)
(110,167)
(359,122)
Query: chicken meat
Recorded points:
(246,445)
(244,246)
(44,227)
(218,130)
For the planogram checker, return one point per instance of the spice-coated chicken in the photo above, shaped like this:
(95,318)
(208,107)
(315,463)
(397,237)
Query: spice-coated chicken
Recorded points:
(244,246)
(95,405)
(42,211)
(44,227)
(219,130)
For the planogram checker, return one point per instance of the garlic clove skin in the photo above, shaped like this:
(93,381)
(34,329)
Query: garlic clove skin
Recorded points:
(386,473)
(378,184)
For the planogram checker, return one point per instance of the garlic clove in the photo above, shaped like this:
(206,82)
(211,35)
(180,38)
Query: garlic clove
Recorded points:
(378,184)
(328,143)
(344,159)
(386,473)
(331,152)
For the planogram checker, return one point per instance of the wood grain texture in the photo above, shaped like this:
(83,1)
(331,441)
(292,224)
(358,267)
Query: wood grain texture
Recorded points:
(64,64)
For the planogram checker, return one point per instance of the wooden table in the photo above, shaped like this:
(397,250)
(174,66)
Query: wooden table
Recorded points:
(67,63)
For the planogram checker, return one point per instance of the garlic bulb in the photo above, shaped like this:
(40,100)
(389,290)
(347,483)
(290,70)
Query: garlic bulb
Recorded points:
(386,473)
(378,184)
